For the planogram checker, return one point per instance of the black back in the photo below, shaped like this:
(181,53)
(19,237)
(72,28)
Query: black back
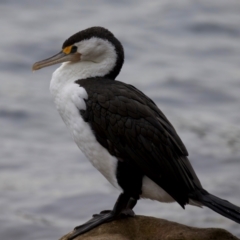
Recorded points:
(131,127)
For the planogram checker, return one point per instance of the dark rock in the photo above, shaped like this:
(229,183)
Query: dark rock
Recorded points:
(149,228)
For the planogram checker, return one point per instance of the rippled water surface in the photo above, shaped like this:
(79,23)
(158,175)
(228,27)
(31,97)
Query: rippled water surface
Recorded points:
(184,54)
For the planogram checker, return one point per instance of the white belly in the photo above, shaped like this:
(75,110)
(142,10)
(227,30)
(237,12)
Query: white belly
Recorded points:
(69,100)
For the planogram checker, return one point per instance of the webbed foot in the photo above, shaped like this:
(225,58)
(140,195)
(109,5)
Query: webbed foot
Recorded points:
(122,209)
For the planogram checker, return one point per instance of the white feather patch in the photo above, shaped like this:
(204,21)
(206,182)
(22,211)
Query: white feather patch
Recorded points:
(152,191)
(69,99)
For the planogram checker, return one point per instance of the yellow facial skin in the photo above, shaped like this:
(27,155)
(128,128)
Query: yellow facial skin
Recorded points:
(67,50)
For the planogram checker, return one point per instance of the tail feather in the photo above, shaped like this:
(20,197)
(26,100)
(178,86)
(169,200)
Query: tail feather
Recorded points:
(220,206)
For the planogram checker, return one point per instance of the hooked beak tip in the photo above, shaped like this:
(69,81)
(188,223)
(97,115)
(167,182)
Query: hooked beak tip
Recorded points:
(35,67)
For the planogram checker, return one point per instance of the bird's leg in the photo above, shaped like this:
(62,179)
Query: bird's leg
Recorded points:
(103,217)
(128,211)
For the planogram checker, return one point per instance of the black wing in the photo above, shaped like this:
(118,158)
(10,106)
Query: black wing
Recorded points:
(132,128)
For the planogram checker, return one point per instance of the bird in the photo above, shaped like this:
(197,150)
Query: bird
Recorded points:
(122,131)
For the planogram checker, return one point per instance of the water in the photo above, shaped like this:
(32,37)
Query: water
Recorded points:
(185,55)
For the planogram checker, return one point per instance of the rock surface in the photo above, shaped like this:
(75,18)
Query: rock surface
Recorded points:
(149,228)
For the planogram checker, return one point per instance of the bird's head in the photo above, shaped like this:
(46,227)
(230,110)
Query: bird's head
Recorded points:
(95,45)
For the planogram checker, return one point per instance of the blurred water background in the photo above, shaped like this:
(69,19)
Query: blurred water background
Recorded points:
(184,54)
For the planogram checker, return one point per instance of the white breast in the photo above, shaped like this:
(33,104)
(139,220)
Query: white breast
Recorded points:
(69,99)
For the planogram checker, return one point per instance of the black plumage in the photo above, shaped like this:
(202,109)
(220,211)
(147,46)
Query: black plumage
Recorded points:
(131,127)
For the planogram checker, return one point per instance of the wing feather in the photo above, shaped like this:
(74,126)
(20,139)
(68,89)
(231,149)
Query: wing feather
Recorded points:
(132,128)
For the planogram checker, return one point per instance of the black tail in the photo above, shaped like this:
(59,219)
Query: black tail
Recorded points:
(220,206)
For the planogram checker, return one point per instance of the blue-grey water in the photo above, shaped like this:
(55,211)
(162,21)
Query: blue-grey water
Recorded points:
(184,54)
